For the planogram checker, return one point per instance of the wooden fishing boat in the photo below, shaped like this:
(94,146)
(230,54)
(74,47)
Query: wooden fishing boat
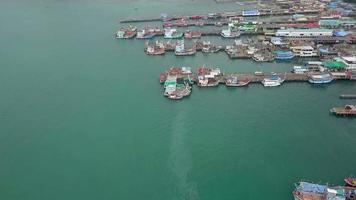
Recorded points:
(350,181)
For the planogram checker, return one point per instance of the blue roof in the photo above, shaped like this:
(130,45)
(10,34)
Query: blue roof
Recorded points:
(250,12)
(340,33)
(311,187)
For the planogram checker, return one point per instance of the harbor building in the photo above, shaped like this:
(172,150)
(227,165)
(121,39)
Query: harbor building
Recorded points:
(313,32)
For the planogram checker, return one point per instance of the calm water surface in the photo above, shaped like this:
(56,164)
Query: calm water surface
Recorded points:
(82,116)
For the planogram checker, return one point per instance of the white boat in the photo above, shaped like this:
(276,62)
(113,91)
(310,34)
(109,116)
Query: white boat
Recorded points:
(227,33)
(272,81)
(299,70)
(320,78)
(304,51)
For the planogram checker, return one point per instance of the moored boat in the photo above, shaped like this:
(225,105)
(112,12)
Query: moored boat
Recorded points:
(284,55)
(171,33)
(272,81)
(157,48)
(350,181)
(182,50)
(233,81)
(228,33)
(207,77)
(311,191)
(347,110)
(126,33)
(146,34)
(192,34)
(320,78)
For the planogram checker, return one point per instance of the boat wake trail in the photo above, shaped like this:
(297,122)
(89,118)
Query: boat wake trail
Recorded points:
(181,161)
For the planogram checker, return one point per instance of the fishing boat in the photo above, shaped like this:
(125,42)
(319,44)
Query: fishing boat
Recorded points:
(182,50)
(171,33)
(259,57)
(192,34)
(304,51)
(350,181)
(228,33)
(284,55)
(311,191)
(176,88)
(210,48)
(320,78)
(145,34)
(157,48)
(272,81)
(207,77)
(126,33)
(233,81)
(347,111)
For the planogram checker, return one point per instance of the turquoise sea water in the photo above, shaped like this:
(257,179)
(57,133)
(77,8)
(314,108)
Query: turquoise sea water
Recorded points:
(82,115)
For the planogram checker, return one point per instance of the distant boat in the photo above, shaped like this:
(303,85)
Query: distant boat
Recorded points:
(126,33)
(284,55)
(182,50)
(227,33)
(350,181)
(320,78)
(171,33)
(272,81)
(145,34)
(234,82)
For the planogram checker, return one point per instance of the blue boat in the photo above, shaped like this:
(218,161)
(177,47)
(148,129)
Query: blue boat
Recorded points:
(284,55)
(320,78)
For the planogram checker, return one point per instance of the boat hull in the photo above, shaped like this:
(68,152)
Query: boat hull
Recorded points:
(319,82)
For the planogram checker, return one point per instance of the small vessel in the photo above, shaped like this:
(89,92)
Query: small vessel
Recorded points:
(210,48)
(192,34)
(284,55)
(228,33)
(207,77)
(171,33)
(157,48)
(176,88)
(304,51)
(320,78)
(311,191)
(233,81)
(350,181)
(299,70)
(272,81)
(145,34)
(182,50)
(259,73)
(126,33)
(259,57)
(347,111)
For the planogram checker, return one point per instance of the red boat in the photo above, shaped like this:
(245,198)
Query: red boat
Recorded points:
(350,181)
